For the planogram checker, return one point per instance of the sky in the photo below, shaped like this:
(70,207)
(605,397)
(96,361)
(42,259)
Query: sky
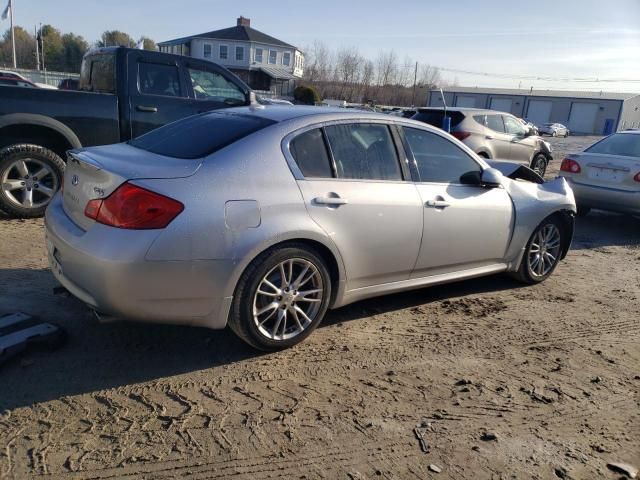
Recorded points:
(542,44)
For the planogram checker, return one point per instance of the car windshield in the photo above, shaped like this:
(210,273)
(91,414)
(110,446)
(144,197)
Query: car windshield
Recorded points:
(624,144)
(200,135)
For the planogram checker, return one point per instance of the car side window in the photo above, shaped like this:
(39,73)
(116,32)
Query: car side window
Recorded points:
(495,123)
(310,153)
(209,85)
(158,79)
(513,126)
(438,159)
(364,151)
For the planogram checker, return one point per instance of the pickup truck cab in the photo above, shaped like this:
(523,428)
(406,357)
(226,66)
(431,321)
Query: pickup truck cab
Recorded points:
(123,93)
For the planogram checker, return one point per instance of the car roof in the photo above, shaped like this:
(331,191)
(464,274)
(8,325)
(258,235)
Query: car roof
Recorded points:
(281,113)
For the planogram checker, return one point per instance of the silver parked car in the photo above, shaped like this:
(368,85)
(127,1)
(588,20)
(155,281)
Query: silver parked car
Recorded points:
(607,174)
(554,129)
(493,135)
(262,218)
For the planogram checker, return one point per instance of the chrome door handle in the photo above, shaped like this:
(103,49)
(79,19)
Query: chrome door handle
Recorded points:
(488,137)
(142,108)
(330,201)
(437,204)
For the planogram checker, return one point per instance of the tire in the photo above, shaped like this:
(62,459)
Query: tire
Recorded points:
(566,134)
(529,271)
(554,134)
(583,211)
(261,330)
(29,177)
(539,164)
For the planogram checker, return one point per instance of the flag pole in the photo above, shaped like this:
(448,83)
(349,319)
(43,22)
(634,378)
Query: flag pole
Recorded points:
(13,38)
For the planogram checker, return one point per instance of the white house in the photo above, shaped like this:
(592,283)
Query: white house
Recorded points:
(262,61)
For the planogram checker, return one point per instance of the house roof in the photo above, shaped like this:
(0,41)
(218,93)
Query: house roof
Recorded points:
(541,93)
(239,33)
(278,73)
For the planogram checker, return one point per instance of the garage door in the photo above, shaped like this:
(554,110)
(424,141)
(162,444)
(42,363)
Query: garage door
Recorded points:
(462,101)
(539,111)
(583,117)
(501,104)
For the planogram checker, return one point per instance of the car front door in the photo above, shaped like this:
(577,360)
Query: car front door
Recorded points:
(466,225)
(355,189)
(157,92)
(499,140)
(522,147)
(211,87)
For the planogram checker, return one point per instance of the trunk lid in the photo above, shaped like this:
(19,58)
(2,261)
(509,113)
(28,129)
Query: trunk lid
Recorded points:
(612,171)
(96,172)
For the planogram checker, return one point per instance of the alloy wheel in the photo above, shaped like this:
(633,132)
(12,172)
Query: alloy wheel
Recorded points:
(288,299)
(29,183)
(544,250)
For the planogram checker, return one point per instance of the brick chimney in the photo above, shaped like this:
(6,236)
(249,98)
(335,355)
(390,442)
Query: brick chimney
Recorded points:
(244,22)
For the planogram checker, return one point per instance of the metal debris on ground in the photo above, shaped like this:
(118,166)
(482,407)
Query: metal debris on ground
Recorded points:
(618,467)
(419,433)
(19,331)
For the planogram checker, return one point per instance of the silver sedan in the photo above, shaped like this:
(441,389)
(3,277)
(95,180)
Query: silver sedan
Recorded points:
(606,175)
(262,218)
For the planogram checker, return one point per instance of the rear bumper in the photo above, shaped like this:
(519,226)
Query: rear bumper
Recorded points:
(105,268)
(605,198)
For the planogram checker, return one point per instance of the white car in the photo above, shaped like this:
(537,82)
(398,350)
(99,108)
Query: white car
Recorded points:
(554,129)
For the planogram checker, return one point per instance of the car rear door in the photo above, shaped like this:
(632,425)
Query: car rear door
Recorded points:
(466,225)
(355,188)
(158,93)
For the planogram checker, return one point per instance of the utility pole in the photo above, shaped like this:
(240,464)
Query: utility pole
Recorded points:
(35,31)
(13,38)
(415,80)
(42,48)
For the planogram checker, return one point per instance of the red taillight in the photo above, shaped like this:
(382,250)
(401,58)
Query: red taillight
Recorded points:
(637,177)
(570,166)
(460,135)
(133,207)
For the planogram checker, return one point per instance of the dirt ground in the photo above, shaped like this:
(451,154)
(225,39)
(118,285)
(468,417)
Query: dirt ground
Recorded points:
(500,380)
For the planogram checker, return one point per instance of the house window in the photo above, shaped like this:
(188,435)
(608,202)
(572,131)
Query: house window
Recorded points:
(239,53)
(224,52)
(273,55)
(258,55)
(286,58)
(207,50)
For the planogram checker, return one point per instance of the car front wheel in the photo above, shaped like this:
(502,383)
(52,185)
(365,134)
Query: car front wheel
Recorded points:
(542,253)
(281,297)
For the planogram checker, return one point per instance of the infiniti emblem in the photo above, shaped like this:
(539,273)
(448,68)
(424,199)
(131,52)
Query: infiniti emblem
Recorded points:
(75,180)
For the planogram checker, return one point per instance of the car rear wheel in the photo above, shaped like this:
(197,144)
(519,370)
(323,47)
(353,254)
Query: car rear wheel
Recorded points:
(542,253)
(281,298)
(566,134)
(554,134)
(29,177)
(539,164)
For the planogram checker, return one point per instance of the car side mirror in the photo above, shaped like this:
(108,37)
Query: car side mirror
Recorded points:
(491,177)
(528,132)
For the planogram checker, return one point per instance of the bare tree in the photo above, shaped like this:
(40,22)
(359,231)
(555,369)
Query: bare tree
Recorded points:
(429,77)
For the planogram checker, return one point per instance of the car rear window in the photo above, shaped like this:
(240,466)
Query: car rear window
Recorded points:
(434,117)
(200,135)
(624,144)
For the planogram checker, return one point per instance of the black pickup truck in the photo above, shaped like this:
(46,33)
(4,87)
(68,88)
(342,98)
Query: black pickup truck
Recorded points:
(123,93)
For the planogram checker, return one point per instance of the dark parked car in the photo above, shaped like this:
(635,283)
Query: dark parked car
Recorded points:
(123,93)
(69,84)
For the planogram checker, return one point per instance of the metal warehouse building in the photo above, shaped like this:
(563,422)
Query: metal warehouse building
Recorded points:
(596,113)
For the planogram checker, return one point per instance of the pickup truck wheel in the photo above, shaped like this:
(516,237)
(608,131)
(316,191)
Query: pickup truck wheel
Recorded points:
(30,175)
